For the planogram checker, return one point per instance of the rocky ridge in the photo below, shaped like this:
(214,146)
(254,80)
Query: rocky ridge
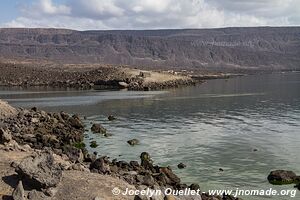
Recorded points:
(223,49)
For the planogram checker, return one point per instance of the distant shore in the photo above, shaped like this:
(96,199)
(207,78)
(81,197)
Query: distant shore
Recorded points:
(89,76)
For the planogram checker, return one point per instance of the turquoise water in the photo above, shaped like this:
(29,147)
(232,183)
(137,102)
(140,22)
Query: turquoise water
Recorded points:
(214,125)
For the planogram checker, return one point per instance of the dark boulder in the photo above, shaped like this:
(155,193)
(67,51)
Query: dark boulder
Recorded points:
(280,177)
(181,166)
(169,173)
(297,179)
(34,109)
(101,166)
(123,164)
(74,154)
(146,161)
(93,144)
(111,118)
(181,186)
(76,122)
(5,136)
(65,116)
(98,128)
(90,157)
(133,142)
(134,164)
(194,186)
(59,118)
(148,180)
(162,179)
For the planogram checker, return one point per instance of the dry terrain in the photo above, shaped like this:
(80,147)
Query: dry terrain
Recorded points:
(74,184)
(86,76)
(224,49)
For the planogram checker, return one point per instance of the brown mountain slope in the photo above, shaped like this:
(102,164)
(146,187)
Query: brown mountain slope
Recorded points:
(263,48)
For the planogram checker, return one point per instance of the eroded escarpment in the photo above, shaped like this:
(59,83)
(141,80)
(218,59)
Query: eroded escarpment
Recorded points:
(230,49)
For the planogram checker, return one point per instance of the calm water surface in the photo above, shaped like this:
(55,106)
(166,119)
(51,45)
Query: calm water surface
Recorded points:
(215,125)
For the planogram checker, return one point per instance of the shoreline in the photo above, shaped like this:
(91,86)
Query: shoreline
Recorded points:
(56,140)
(96,76)
(89,77)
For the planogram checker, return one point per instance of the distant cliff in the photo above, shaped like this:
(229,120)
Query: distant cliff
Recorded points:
(263,48)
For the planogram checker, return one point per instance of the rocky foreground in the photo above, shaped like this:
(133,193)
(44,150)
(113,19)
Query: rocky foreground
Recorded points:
(43,157)
(43,74)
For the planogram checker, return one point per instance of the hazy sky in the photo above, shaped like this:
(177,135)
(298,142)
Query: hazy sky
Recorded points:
(148,14)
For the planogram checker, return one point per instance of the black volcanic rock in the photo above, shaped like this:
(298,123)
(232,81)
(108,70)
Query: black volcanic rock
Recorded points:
(262,48)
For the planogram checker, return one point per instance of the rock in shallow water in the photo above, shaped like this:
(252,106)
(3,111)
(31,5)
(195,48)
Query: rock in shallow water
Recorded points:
(93,144)
(146,161)
(133,142)
(194,186)
(181,166)
(279,177)
(107,134)
(111,118)
(98,128)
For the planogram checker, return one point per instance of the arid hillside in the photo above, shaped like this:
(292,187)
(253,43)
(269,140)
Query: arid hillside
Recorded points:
(263,48)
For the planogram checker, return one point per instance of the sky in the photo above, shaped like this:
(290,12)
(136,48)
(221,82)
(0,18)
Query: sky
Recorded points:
(147,14)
